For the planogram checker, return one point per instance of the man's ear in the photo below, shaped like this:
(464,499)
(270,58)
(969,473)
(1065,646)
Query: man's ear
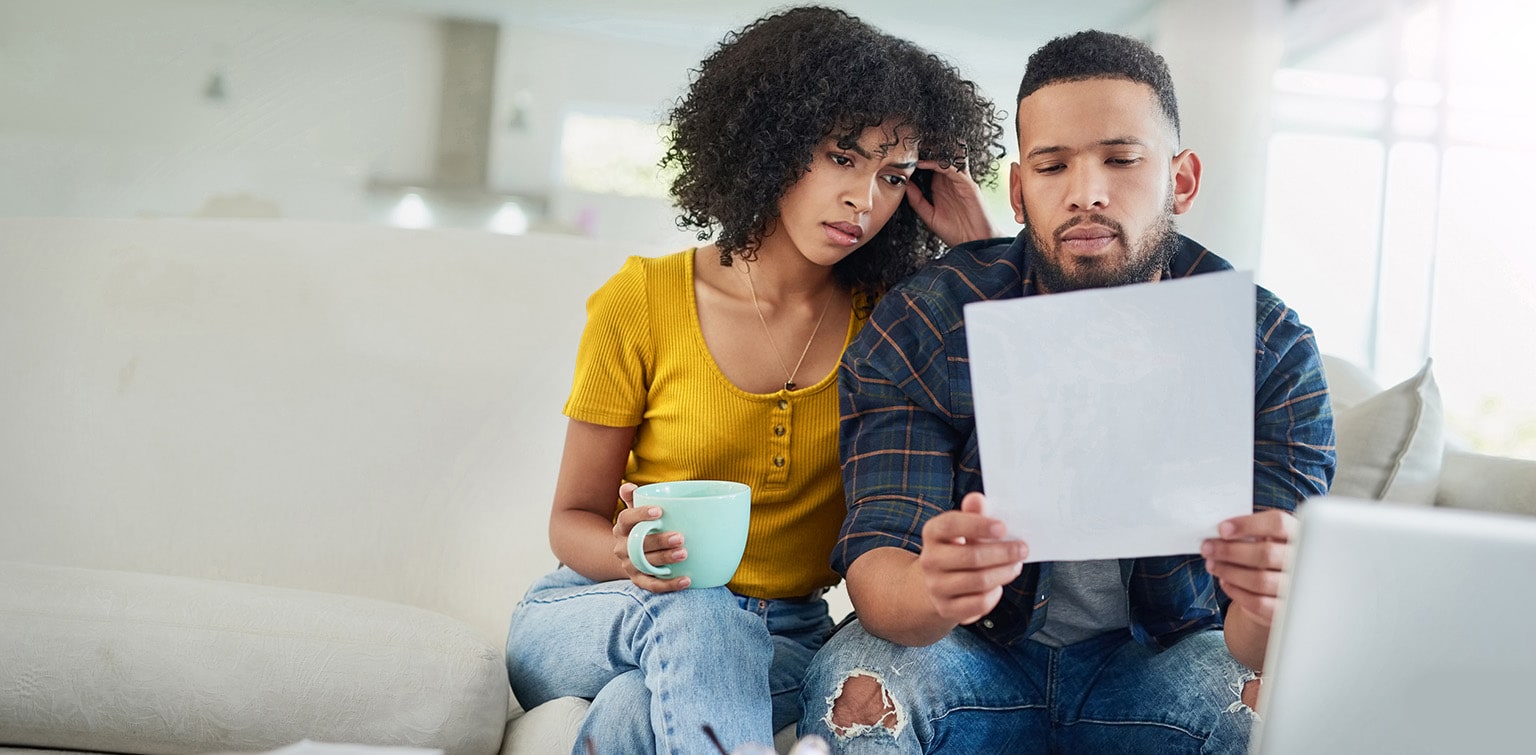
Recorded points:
(1016,192)
(1186,181)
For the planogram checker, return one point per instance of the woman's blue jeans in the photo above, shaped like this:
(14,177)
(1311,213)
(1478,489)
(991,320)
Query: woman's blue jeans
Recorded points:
(966,694)
(658,667)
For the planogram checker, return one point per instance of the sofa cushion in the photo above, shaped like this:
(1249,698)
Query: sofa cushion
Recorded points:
(1391,445)
(137,663)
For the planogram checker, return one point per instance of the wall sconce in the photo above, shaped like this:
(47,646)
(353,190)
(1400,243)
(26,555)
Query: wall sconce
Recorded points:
(517,119)
(214,90)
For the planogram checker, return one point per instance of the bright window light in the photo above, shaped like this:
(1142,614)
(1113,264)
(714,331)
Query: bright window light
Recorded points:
(1404,240)
(1417,92)
(1329,84)
(612,155)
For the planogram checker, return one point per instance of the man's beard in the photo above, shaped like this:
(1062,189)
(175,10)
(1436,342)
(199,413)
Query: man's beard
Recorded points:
(1143,261)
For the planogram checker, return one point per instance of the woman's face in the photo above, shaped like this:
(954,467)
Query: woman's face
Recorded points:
(847,195)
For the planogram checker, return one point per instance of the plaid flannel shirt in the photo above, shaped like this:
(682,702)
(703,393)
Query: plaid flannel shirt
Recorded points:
(908,433)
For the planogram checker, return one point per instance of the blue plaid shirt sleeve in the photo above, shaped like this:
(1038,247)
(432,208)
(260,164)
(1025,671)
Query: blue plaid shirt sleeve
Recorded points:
(1293,442)
(898,449)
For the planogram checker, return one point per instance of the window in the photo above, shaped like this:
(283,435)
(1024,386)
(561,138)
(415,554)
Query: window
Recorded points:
(612,155)
(1395,222)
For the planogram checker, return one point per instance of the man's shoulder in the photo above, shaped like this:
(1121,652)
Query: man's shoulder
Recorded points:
(973,271)
(1193,259)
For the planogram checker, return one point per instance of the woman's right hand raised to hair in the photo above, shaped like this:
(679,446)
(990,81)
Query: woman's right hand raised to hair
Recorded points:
(956,214)
(661,548)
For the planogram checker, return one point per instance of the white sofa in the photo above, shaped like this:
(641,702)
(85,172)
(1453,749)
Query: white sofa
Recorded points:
(271,480)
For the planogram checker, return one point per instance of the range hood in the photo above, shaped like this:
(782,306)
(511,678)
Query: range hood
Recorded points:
(462,150)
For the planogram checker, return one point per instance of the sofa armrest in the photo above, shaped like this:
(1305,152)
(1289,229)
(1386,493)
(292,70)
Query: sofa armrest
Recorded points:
(140,663)
(1487,483)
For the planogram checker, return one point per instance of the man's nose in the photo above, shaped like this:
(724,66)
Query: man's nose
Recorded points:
(1088,190)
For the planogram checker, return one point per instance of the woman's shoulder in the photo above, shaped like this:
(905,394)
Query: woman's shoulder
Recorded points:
(665,269)
(639,273)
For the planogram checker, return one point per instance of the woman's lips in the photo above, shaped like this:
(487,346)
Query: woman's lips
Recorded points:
(846,234)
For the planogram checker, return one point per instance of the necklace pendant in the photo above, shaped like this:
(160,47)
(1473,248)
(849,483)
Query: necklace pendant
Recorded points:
(789,385)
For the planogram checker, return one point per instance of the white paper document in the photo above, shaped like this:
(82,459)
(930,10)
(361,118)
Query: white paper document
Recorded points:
(1116,422)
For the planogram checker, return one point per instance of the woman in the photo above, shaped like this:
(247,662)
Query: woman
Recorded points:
(798,141)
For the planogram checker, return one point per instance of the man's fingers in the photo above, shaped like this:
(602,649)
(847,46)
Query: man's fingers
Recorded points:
(968,609)
(1261,606)
(974,503)
(1264,525)
(973,556)
(1257,581)
(954,584)
(1258,555)
(959,526)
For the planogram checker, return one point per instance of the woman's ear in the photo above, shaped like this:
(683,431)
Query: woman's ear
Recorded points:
(1186,181)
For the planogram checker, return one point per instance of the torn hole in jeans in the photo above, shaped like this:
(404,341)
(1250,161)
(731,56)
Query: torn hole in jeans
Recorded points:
(866,708)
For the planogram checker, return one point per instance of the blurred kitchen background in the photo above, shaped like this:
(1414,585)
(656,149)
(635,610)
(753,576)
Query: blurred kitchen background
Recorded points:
(1367,158)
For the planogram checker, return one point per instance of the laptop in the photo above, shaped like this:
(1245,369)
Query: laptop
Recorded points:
(1403,630)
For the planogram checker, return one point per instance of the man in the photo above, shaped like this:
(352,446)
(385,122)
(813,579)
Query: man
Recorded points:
(958,645)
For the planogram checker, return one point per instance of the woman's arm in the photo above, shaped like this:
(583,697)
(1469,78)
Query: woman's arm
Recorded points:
(581,525)
(582,532)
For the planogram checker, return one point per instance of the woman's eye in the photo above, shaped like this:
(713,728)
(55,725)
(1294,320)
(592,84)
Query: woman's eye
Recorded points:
(896,180)
(841,159)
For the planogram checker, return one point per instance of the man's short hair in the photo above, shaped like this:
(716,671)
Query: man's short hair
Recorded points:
(1100,55)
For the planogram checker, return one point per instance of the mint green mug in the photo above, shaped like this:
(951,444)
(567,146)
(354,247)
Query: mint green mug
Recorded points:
(713,517)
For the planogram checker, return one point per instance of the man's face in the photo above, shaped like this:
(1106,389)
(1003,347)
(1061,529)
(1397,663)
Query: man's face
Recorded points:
(1098,183)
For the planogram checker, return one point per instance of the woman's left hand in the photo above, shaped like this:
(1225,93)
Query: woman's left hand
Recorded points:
(955,215)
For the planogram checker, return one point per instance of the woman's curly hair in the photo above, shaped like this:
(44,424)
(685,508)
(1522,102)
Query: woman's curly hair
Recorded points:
(747,128)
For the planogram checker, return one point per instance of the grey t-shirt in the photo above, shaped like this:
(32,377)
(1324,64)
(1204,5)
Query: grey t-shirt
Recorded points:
(1087,599)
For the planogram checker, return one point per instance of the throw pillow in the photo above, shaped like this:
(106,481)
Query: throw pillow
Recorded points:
(1391,445)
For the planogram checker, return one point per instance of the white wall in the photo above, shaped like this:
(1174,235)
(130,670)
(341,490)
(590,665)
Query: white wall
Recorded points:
(546,74)
(103,108)
(1223,58)
(103,113)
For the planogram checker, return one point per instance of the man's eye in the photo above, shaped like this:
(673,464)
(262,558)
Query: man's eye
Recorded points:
(1124,161)
(1049,169)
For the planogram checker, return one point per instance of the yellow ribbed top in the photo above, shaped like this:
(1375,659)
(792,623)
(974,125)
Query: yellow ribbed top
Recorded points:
(643,361)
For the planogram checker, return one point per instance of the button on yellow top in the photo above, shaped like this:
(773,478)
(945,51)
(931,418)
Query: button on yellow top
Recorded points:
(783,404)
(778,461)
(778,429)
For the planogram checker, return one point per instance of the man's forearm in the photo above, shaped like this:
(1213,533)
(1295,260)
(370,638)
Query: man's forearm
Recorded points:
(888,593)
(1247,639)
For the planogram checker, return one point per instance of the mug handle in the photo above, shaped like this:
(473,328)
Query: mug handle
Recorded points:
(637,549)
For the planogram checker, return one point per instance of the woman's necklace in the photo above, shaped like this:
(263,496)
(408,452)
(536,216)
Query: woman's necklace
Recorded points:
(789,375)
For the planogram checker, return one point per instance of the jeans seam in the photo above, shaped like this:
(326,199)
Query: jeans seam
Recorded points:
(1051,682)
(987,709)
(1157,724)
